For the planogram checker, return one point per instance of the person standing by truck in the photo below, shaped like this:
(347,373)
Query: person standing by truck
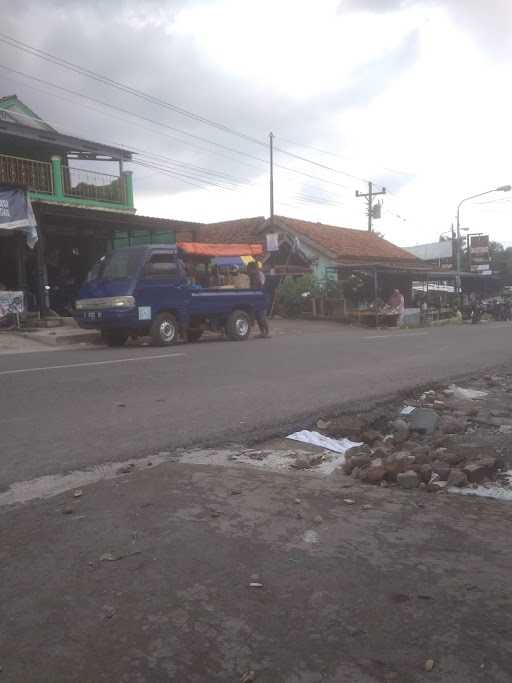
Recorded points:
(257,281)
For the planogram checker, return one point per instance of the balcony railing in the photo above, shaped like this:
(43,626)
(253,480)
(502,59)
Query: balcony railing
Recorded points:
(99,187)
(59,183)
(35,175)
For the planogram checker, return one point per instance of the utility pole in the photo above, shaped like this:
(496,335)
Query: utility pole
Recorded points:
(369,198)
(271,140)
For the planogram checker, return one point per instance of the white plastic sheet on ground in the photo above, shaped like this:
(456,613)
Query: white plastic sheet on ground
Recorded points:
(317,439)
(469,394)
(499,490)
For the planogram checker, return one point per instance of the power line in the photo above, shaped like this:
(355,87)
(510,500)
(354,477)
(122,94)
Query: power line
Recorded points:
(168,160)
(197,173)
(316,163)
(339,156)
(167,126)
(25,47)
(133,123)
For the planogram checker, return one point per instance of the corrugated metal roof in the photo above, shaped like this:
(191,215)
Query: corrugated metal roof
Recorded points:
(432,251)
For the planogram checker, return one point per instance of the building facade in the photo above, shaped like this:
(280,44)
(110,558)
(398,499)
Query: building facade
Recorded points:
(83,202)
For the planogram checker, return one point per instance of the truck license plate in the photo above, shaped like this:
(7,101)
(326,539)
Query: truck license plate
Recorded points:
(93,315)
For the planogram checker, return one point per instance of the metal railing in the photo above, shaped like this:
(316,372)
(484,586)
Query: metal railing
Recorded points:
(99,187)
(35,175)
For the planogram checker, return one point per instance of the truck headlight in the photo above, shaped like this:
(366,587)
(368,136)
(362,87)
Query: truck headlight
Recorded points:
(105,302)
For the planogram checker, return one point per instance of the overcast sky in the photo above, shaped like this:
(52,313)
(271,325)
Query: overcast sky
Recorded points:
(413,95)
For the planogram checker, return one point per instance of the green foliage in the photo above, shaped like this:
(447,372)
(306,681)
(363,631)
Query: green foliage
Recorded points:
(290,301)
(501,261)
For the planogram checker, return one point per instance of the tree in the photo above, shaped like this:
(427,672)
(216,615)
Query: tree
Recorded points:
(501,261)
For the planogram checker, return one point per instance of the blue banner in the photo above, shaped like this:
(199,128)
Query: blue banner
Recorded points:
(16,212)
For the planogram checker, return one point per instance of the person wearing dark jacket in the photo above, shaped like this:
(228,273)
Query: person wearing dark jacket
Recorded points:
(257,281)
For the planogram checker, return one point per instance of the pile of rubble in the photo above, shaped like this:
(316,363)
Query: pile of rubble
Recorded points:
(432,443)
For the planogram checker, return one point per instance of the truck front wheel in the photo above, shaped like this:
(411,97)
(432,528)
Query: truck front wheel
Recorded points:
(239,326)
(114,337)
(164,330)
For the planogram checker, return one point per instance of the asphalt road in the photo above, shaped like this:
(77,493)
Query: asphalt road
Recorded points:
(72,409)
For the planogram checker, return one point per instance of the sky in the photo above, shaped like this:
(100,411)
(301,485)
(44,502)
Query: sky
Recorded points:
(410,94)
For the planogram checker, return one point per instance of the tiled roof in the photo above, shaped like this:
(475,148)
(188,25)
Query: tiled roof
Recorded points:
(345,243)
(242,230)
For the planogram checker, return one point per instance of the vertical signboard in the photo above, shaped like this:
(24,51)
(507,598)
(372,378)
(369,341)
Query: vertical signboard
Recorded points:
(479,254)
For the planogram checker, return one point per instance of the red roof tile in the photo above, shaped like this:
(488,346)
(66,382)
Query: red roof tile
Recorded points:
(241,230)
(345,243)
(340,243)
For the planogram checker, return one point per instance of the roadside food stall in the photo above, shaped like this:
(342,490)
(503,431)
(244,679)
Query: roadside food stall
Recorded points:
(218,265)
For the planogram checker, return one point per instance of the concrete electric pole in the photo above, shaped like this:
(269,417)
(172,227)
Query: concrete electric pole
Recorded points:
(271,141)
(369,198)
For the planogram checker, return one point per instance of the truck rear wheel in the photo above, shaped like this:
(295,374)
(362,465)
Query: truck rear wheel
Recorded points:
(164,330)
(239,326)
(114,337)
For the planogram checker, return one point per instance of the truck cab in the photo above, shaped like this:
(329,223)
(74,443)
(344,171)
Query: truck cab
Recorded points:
(144,291)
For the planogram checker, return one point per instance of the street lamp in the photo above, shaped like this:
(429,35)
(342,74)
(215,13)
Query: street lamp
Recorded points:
(502,188)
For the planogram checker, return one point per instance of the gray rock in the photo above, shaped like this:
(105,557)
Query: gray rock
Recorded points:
(499,413)
(452,425)
(380,452)
(404,458)
(457,478)
(425,473)
(361,460)
(424,421)
(452,459)
(408,480)
(400,430)
(442,469)
(422,454)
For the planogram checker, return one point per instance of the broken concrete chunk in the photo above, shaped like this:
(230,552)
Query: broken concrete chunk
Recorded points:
(404,458)
(452,425)
(429,665)
(371,436)
(375,474)
(483,468)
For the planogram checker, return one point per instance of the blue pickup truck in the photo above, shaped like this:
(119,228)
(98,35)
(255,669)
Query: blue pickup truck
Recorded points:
(141,291)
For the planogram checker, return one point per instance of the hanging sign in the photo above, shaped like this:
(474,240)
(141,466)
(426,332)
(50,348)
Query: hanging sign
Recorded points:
(11,303)
(272,241)
(16,212)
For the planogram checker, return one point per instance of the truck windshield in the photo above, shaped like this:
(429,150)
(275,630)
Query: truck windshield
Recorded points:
(119,265)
